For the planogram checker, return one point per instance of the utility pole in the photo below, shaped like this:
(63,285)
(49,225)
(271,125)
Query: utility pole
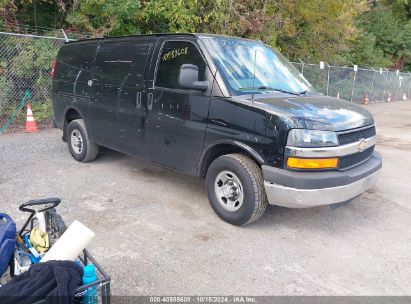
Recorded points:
(35,15)
(372,84)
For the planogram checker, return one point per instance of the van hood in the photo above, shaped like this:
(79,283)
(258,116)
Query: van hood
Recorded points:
(318,112)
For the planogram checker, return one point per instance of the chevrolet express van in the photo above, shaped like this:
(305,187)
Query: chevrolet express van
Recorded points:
(230,110)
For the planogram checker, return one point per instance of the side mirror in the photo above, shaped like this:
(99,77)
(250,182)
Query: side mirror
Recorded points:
(188,78)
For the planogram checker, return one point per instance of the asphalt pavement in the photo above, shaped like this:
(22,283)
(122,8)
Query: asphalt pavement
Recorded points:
(156,233)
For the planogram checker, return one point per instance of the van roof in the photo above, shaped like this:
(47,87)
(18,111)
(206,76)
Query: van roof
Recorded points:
(152,35)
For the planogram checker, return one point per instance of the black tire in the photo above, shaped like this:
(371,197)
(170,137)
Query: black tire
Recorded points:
(254,201)
(89,149)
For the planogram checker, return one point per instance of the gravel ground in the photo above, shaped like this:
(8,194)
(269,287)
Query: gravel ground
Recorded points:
(157,234)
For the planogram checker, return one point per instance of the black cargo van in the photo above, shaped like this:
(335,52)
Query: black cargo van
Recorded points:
(230,110)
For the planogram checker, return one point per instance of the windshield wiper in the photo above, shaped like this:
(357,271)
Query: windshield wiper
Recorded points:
(307,91)
(269,89)
(277,90)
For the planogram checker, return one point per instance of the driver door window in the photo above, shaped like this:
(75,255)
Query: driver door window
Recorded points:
(173,55)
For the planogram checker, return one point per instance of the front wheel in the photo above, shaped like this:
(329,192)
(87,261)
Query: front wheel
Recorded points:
(235,188)
(79,144)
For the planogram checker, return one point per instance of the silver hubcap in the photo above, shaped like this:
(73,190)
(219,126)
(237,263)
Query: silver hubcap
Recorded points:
(229,191)
(76,141)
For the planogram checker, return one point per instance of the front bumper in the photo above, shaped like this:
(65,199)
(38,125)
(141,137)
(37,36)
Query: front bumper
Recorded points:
(309,189)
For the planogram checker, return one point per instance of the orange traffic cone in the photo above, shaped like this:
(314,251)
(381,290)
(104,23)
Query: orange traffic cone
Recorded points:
(30,122)
(365,99)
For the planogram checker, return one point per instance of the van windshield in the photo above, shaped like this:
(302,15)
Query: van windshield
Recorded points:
(235,59)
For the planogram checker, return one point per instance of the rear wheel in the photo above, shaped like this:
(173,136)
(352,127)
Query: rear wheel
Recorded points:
(79,144)
(235,188)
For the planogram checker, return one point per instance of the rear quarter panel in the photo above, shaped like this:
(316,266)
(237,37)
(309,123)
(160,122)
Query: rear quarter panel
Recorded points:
(72,72)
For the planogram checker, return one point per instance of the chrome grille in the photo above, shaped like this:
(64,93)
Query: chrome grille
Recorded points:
(353,136)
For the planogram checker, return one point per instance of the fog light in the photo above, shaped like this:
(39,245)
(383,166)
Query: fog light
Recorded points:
(312,163)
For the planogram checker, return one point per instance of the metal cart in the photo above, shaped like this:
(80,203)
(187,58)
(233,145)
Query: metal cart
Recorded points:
(55,227)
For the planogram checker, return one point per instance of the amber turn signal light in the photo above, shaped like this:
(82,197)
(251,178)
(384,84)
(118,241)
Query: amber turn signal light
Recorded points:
(312,163)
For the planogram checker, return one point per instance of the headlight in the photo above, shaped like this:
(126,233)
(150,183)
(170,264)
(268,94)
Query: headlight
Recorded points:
(311,138)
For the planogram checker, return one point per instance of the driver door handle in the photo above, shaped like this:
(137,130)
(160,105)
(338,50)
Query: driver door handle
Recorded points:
(150,102)
(138,100)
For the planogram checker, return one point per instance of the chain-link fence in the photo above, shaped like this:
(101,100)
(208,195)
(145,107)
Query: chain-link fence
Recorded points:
(356,84)
(25,66)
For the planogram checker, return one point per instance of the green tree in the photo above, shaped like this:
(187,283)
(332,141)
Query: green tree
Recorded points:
(376,32)
(392,33)
(34,15)
(364,52)
(183,16)
(318,30)
(106,17)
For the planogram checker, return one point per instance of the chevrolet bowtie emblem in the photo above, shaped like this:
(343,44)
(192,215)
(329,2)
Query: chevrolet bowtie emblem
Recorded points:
(363,145)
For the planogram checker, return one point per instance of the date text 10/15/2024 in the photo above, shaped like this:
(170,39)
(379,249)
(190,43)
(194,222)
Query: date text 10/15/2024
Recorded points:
(202,299)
